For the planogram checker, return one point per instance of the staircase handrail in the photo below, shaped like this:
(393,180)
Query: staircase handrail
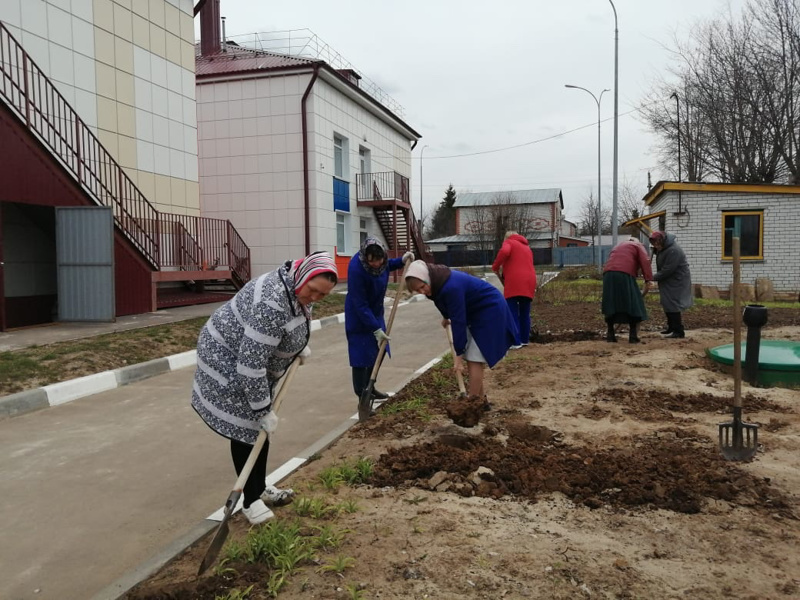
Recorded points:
(30,94)
(45,111)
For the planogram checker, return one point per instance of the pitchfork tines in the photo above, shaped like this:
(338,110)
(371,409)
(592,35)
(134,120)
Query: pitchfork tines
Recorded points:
(738,440)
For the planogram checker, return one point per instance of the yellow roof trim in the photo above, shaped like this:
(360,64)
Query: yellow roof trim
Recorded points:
(640,221)
(745,188)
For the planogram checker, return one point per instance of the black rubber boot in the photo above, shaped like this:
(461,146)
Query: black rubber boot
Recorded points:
(610,335)
(633,336)
(676,325)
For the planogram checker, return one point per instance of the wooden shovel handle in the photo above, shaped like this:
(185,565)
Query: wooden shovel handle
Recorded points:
(382,348)
(262,435)
(461,387)
(737,327)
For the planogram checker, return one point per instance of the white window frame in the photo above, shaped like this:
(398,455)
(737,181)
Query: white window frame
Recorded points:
(363,232)
(341,150)
(343,226)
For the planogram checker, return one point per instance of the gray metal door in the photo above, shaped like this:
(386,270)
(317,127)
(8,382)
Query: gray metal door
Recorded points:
(85,258)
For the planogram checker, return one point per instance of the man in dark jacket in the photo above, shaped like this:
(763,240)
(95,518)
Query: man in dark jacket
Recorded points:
(674,281)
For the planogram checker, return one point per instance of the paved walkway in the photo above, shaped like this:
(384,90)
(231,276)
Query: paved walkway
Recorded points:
(94,488)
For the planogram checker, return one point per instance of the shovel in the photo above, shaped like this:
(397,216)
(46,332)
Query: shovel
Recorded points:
(222,531)
(366,399)
(461,387)
(737,440)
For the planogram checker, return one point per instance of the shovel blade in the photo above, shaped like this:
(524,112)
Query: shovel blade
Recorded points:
(221,534)
(216,545)
(738,440)
(365,402)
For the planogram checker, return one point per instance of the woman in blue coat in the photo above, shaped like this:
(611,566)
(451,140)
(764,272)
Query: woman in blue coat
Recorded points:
(367,279)
(483,326)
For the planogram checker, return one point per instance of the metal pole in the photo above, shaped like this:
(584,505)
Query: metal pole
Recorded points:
(614,213)
(419,220)
(599,211)
(678,110)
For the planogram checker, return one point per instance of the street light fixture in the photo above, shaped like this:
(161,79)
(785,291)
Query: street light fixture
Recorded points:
(614,214)
(421,152)
(599,213)
(678,109)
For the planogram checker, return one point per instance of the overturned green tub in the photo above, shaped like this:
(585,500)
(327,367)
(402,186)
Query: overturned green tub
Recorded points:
(778,361)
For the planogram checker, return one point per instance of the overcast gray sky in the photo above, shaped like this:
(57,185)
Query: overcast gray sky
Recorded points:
(476,76)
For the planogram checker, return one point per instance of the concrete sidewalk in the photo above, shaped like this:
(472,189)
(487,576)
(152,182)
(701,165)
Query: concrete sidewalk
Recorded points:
(95,488)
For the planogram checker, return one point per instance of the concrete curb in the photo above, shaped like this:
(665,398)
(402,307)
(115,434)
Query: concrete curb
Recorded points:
(124,584)
(67,391)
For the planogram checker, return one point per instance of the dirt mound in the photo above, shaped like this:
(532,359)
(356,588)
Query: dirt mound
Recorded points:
(654,404)
(466,412)
(669,470)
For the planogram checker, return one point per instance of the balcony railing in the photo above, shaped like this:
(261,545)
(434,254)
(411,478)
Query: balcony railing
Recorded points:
(382,186)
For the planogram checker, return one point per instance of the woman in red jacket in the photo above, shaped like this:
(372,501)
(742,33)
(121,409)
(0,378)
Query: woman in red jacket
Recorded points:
(514,267)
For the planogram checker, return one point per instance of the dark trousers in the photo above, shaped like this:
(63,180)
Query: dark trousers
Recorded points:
(361,377)
(520,307)
(256,482)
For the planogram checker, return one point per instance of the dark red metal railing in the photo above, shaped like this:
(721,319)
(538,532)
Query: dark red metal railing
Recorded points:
(164,239)
(386,190)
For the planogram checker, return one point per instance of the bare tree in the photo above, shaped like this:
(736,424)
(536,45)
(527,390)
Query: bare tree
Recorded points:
(630,203)
(737,84)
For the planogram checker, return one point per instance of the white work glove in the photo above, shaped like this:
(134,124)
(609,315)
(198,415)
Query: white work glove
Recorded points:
(304,354)
(380,335)
(269,422)
(408,257)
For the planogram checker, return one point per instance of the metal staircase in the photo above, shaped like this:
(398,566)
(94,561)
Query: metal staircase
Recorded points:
(388,196)
(177,247)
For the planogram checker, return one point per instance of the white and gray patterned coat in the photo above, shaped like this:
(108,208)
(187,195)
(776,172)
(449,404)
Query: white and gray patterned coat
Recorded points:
(243,350)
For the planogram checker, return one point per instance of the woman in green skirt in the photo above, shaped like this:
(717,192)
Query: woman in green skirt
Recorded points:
(622,300)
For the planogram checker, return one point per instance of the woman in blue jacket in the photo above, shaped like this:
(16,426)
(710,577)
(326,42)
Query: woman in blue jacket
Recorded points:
(483,326)
(367,279)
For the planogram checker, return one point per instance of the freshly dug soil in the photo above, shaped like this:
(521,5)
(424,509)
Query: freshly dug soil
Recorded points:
(596,474)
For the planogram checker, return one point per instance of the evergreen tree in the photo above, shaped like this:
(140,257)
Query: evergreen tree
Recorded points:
(444,219)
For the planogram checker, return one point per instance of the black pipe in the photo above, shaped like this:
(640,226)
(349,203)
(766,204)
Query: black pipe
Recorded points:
(755,317)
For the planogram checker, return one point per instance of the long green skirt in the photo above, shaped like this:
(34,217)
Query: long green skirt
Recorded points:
(622,300)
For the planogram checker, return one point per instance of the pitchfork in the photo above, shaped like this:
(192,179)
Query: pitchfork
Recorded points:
(737,440)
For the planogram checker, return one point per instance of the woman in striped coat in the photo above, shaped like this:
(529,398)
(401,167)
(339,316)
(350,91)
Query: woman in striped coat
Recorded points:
(243,350)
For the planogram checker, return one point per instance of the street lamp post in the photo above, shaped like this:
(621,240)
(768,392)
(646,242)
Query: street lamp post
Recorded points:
(614,213)
(678,110)
(421,152)
(599,212)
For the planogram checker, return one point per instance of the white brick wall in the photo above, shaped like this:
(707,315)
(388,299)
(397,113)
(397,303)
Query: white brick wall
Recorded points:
(251,162)
(700,235)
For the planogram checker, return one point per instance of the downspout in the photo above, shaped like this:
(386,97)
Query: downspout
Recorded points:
(414,145)
(306,193)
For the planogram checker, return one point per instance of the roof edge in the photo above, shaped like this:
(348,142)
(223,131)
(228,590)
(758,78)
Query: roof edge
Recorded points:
(744,188)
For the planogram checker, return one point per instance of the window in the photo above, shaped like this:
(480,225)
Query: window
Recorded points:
(341,164)
(362,231)
(341,233)
(338,157)
(749,227)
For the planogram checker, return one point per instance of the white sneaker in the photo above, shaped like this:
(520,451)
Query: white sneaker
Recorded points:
(273,496)
(516,347)
(257,512)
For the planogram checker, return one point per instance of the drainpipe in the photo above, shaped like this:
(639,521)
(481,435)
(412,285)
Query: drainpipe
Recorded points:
(306,193)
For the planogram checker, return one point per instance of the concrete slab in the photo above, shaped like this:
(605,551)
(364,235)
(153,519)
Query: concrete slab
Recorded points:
(96,487)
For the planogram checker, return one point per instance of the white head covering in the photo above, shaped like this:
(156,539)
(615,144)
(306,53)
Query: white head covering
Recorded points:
(419,270)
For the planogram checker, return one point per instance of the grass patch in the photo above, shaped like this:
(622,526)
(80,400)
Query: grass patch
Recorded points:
(332,304)
(36,366)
